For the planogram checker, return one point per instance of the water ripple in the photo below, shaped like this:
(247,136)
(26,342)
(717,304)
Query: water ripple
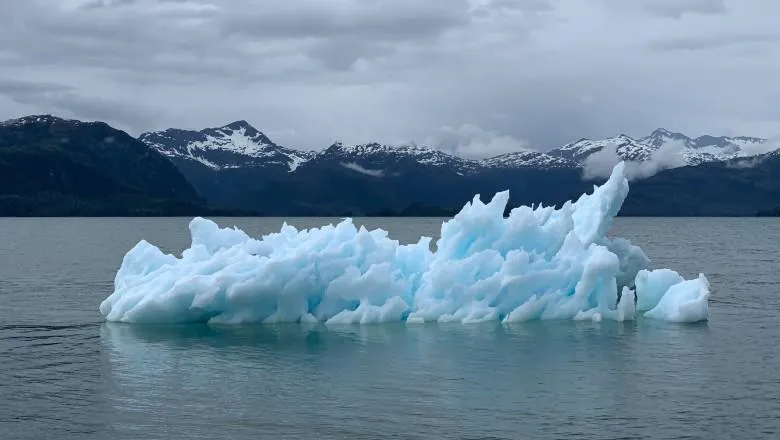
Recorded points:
(65,374)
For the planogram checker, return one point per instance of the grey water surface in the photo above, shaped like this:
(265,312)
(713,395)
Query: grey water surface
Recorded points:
(65,374)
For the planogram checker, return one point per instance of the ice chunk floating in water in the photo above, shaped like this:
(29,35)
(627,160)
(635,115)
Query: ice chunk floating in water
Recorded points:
(539,263)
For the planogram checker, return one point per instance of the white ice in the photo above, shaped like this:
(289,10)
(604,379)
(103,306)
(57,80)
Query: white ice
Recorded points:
(539,263)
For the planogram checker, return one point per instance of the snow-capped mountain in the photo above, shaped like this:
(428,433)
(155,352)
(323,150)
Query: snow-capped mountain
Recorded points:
(527,159)
(47,162)
(35,120)
(239,145)
(693,151)
(662,136)
(625,147)
(705,148)
(376,157)
(235,145)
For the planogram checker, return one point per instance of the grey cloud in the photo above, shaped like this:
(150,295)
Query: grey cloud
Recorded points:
(94,4)
(472,142)
(675,9)
(532,73)
(342,54)
(713,41)
(97,4)
(341,35)
(155,44)
(254,41)
(14,87)
(94,108)
(372,20)
(530,6)
(60,98)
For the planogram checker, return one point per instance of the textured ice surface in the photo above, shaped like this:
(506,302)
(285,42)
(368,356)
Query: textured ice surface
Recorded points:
(539,263)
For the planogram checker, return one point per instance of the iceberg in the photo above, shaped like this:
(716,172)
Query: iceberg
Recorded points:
(538,263)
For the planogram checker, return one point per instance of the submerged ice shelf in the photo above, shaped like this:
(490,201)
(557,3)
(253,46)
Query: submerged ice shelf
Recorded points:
(539,263)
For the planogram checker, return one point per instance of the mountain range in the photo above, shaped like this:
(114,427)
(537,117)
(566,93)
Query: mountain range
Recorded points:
(239,145)
(53,166)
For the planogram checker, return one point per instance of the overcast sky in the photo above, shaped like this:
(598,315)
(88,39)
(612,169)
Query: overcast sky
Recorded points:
(476,76)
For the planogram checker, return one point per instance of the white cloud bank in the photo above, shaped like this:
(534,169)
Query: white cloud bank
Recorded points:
(355,167)
(472,142)
(600,164)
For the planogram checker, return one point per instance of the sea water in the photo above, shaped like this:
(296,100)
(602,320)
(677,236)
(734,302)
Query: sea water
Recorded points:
(65,373)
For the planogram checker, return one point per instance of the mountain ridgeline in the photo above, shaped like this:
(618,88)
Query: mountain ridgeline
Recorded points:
(52,166)
(55,167)
(238,167)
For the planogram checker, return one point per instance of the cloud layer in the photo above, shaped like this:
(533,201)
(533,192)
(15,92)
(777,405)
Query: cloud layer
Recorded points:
(601,163)
(497,75)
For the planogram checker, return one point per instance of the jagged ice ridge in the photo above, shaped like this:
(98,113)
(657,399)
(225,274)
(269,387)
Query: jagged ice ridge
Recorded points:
(538,263)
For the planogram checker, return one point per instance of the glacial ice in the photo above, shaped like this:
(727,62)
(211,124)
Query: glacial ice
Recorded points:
(538,263)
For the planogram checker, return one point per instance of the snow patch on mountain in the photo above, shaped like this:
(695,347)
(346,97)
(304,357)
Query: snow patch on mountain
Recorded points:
(527,159)
(373,154)
(298,160)
(423,155)
(662,149)
(232,146)
(239,145)
(601,163)
(709,148)
(35,119)
(626,148)
(239,141)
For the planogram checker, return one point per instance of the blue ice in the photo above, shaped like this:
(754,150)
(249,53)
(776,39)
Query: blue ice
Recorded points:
(538,263)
